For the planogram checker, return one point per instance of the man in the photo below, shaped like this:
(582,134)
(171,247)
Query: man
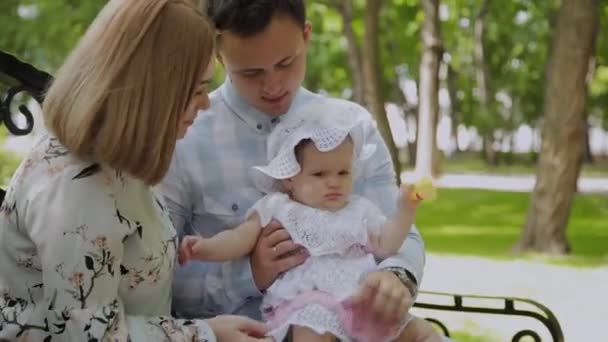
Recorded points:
(262,46)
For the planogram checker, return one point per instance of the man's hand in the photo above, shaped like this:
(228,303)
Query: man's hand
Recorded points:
(385,295)
(230,328)
(274,253)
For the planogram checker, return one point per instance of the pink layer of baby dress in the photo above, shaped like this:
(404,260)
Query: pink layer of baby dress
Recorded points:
(317,293)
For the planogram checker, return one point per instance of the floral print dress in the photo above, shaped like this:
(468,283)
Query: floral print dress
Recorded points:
(86,254)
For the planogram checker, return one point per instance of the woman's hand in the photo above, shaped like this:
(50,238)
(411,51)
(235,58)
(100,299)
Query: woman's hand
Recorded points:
(230,328)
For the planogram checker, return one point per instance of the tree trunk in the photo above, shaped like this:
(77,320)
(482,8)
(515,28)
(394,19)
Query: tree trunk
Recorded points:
(428,108)
(481,76)
(354,56)
(409,110)
(371,85)
(489,153)
(512,127)
(563,132)
(587,153)
(454,104)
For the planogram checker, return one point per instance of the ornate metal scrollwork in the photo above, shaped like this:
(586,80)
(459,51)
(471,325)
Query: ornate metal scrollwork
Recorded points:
(542,313)
(20,77)
(7,118)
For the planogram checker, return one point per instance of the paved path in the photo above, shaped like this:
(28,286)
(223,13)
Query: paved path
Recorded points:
(519,183)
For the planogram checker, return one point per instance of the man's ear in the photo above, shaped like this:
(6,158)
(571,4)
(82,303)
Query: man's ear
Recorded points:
(307,32)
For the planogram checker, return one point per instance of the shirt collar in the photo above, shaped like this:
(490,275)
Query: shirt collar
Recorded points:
(254,118)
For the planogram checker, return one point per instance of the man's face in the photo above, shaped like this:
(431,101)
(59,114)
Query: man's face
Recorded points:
(268,68)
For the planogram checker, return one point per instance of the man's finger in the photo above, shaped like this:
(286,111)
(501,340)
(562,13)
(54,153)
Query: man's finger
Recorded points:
(378,304)
(392,308)
(366,292)
(285,248)
(277,237)
(404,306)
(271,227)
(290,262)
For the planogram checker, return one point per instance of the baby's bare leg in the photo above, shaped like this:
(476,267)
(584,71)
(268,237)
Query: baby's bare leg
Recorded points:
(302,334)
(419,330)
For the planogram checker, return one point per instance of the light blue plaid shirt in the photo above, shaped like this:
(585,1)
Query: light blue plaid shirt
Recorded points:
(209,189)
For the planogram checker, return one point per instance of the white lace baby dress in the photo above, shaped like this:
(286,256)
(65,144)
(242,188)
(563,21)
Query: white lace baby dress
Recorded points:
(316,294)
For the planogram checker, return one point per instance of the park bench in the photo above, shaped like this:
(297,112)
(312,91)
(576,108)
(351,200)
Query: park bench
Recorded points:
(21,78)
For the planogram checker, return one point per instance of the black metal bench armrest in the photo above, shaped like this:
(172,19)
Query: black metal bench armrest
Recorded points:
(19,77)
(505,306)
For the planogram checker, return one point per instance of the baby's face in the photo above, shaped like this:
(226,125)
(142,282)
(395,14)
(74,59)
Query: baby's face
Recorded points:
(326,180)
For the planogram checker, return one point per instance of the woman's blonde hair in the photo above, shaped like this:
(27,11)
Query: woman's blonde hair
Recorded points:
(121,93)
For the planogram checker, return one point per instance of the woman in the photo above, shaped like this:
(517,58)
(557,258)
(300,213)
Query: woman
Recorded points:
(87,250)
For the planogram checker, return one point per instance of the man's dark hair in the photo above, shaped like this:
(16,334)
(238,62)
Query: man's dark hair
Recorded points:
(250,17)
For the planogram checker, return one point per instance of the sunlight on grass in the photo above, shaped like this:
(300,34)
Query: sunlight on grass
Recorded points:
(488,223)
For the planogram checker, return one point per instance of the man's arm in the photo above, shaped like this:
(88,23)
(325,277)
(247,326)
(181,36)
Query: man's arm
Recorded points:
(202,289)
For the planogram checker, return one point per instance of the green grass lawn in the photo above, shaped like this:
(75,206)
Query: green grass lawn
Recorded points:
(488,223)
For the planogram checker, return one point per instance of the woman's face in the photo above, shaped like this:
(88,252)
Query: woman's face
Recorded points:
(199,100)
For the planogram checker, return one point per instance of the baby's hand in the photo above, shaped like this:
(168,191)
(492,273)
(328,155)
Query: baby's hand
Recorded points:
(187,250)
(424,189)
(407,198)
(413,194)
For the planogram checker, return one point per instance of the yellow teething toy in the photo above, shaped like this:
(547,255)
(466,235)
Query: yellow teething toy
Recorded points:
(424,190)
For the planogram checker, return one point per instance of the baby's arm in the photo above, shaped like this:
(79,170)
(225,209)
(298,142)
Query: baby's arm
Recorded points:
(227,245)
(394,231)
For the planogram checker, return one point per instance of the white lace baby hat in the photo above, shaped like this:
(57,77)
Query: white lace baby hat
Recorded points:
(327,123)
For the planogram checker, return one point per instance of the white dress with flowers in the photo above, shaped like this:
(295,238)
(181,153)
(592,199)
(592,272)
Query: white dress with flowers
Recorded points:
(316,294)
(86,254)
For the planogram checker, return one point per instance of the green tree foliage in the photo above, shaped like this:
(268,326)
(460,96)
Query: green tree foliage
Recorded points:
(42,32)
